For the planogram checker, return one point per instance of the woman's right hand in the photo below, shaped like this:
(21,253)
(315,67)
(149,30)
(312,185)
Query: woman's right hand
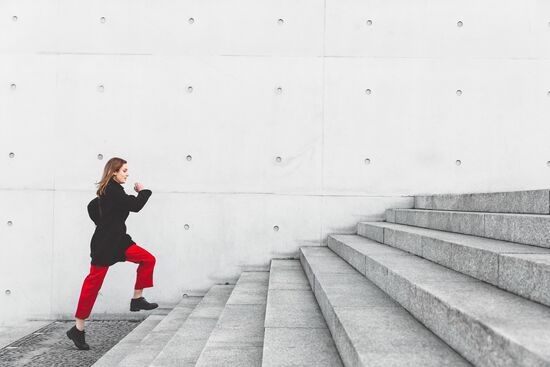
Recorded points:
(138,186)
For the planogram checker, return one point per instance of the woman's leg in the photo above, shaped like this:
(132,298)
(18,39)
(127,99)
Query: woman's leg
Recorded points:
(146,261)
(90,288)
(138,293)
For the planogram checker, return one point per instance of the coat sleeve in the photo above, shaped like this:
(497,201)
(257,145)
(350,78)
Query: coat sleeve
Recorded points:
(131,202)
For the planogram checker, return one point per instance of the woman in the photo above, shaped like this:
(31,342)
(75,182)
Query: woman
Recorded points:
(111,244)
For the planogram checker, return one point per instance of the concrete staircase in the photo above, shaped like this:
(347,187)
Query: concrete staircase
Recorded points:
(458,280)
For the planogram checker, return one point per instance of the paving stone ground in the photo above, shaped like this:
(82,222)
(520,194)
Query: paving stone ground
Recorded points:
(49,346)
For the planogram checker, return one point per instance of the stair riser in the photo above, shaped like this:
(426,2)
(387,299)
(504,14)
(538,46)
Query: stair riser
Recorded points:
(466,223)
(152,344)
(125,346)
(308,272)
(390,215)
(237,339)
(473,340)
(524,229)
(530,230)
(363,302)
(296,332)
(189,340)
(528,202)
(479,343)
(526,278)
(515,275)
(345,347)
(482,265)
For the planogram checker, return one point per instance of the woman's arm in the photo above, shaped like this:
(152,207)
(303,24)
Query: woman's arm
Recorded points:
(131,202)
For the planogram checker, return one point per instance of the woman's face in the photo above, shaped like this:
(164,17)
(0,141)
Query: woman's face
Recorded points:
(122,174)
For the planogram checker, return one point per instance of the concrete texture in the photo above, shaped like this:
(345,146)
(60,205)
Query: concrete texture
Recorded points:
(49,346)
(392,337)
(234,191)
(521,269)
(219,355)
(527,275)
(240,325)
(369,328)
(521,228)
(458,222)
(189,340)
(486,325)
(401,240)
(299,347)
(237,339)
(529,229)
(51,290)
(288,279)
(11,333)
(389,215)
(351,252)
(129,342)
(527,202)
(375,233)
(330,264)
(296,333)
(293,308)
(152,344)
(250,290)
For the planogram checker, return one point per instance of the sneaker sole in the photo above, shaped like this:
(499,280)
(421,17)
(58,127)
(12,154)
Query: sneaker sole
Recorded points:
(139,309)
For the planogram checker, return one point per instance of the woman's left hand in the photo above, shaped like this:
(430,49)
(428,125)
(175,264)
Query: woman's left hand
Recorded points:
(138,186)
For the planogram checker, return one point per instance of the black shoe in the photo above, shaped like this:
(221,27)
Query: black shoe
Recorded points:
(140,303)
(78,338)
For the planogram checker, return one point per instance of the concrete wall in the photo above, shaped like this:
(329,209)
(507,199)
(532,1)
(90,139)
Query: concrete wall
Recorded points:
(140,80)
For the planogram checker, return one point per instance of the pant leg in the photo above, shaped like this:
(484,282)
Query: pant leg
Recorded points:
(90,289)
(146,266)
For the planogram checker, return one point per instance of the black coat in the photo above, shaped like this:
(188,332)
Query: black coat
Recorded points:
(109,213)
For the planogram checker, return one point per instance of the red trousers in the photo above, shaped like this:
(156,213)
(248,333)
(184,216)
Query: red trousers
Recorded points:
(94,280)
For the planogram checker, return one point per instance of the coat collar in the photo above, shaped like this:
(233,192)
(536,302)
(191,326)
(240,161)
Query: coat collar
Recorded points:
(113,182)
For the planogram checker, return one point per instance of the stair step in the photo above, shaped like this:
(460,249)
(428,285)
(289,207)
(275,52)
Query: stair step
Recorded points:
(528,229)
(296,333)
(526,202)
(369,328)
(520,269)
(237,339)
(486,325)
(151,345)
(185,347)
(126,345)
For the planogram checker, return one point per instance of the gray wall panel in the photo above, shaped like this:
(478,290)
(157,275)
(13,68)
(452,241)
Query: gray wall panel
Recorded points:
(27,246)
(234,123)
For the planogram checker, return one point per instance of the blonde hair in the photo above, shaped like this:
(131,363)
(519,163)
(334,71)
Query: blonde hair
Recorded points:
(112,166)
